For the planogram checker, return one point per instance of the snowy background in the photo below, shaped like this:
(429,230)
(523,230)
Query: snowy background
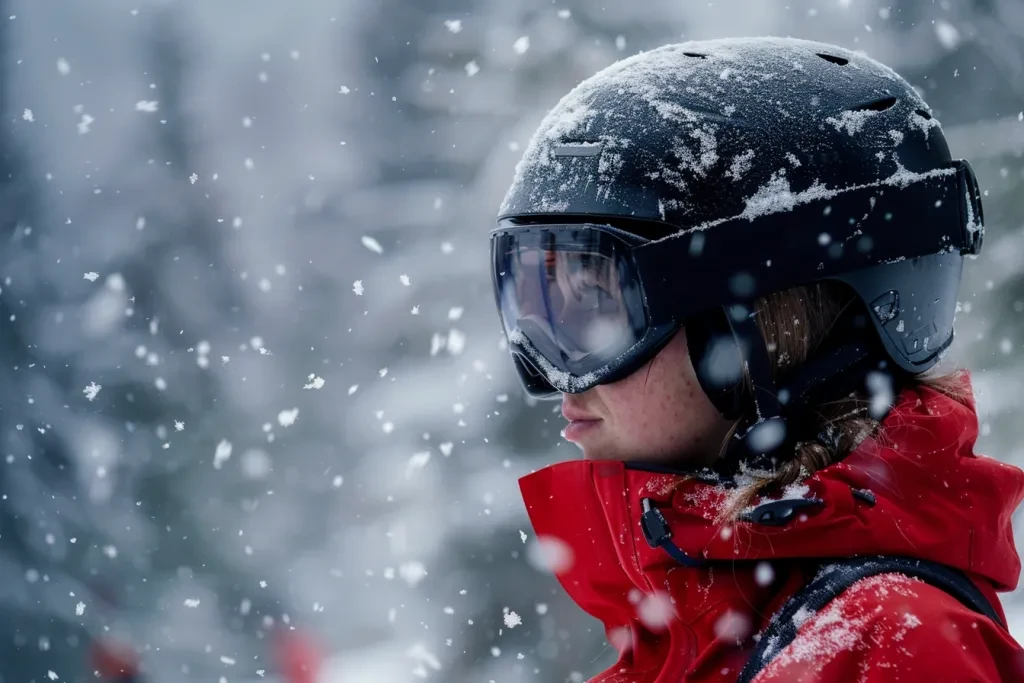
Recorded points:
(253,383)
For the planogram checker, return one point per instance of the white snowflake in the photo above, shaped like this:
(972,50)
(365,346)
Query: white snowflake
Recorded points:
(91,276)
(453,25)
(372,244)
(357,287)
(91,390)
(521,45)
(28,116)
(222,454)
(148,106)
(83,125)
(412,572)
(314,382)
(947,34)
(286,418)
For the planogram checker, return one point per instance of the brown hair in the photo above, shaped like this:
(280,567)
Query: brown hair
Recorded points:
(794,323)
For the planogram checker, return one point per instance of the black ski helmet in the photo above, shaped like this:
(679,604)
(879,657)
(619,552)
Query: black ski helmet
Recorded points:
(698,177)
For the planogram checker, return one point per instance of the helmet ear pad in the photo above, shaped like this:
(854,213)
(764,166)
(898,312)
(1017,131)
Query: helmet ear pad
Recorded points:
(719,357)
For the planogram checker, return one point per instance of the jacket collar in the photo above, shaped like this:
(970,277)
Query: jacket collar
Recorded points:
(915,489)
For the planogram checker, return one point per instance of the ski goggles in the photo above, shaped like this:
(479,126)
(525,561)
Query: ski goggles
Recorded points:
(570,302)
(588,303)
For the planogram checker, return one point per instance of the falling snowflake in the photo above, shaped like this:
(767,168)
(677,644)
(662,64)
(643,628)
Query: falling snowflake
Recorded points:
(353,389)
(63,67)
(83,125)
(417,462)
(222,454)
(550,554)
(404,279)
(415,310)
(521,45)
(472,69)
(512,620)
(412,572)
(179,426)
(382,372)
(314,382)
(343,90)
(91,390)
(372,244)
(453,25)
(27,115)
(91,276)
(80,609)
(286,418)
(192,602)
(456,342)
(148,106)
(764,574)
(357,287)
(193,178)
(564,13)
(947,34)
(522,536)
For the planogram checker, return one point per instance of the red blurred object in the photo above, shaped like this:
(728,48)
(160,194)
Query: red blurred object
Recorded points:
(114,660)
(298,656)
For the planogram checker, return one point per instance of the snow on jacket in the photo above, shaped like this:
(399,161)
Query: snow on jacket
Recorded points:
(934,499)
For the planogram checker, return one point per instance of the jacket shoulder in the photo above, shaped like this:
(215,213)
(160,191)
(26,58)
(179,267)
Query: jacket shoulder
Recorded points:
(891,627)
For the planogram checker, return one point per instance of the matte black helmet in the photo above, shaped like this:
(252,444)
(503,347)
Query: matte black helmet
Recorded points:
(677,186)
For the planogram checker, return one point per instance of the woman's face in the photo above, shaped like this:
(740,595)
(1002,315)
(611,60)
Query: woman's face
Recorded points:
(659,414)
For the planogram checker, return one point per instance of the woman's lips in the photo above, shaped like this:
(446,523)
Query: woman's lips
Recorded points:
(577,430)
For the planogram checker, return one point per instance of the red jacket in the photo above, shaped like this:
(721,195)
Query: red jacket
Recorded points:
(934,499)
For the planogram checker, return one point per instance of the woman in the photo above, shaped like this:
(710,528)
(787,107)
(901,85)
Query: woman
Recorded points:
(736,262)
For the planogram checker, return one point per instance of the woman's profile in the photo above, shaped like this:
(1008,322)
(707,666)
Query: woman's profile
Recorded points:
(736,263)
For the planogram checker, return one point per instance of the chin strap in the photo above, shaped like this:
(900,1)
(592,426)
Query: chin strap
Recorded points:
(776,415)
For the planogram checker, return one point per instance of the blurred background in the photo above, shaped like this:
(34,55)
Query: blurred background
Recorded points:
(257,422)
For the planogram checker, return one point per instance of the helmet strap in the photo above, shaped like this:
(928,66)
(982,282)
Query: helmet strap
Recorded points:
(772,417)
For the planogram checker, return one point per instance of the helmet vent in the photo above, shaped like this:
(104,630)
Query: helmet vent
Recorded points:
(841,61)
(877,105)
(923,113)
(695,54)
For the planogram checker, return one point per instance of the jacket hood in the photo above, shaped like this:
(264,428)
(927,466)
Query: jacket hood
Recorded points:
(914,489)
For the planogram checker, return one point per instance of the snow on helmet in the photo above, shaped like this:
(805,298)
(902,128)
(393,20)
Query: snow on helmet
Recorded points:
(679,185)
